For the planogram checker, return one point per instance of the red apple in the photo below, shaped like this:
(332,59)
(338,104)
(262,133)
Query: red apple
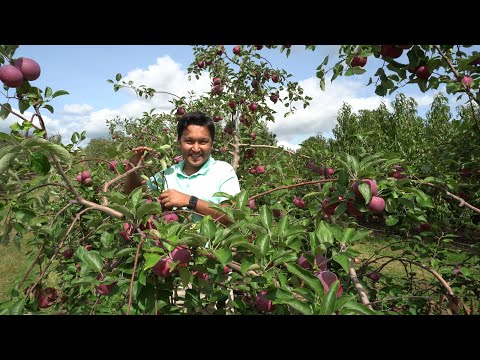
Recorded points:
(376,204)
(217,89)
(329,171)
(260,169)
(422,72)
(358,61)
(353,210)
(28,67)
(112,165)
(11,76)
(170,217)
(299,202)
(67,254)
(328,207)
(374,276)
(162,267)
(370,182)
(274,98)
(262,303)
(182,255)
(237,49)
(327,278)
(467,81)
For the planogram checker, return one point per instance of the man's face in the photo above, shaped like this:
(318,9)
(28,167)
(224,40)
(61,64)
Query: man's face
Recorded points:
(196,147)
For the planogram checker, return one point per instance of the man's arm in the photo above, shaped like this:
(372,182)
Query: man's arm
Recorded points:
(133,180)
(173,198)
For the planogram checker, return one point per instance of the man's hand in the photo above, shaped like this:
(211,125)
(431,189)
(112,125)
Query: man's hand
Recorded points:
(173,198)
(139,153)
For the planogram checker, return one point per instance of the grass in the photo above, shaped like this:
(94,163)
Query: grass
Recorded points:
(13,263)
(376,247)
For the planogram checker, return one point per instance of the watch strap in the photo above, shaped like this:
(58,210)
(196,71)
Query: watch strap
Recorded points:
(192,202)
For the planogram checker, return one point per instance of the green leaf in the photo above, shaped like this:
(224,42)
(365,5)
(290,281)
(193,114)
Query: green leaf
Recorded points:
(126,251)
(122,209)
(425,202)
(241,199)
(353,162)
(391,220)
(323,233)
(283,226)
(136,197)
(107,239)
(255,250)
(148,208)
(266,217)
(311,280)
(357,70)
(5,162)
(48,91)
(9,149)
(118,77)
(151,259)
(328,303)
(380,90)
(366,191)
(94,260)
(322,84)
(59,93)
(49,108)
(343,260)
(39,163)
(301,307)
(263,243)
(52,148)
(358,308)
(5,110)
(18,307)
(223,255)
(207,227)
(23,105)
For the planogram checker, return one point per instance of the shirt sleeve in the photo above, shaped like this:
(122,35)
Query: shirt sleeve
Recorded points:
(228,184)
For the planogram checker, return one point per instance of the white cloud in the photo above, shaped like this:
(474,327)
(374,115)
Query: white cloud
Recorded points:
(77,109)
(321,115)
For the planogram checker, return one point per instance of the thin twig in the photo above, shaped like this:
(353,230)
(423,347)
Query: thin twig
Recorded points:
(142,235)
(453,196)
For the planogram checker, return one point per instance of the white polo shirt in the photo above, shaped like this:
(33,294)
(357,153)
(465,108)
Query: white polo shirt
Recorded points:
(214,176)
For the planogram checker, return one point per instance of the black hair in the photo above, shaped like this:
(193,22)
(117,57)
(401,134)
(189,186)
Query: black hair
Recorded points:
(195,118)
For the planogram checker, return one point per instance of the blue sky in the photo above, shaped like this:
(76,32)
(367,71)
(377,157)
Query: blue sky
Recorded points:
(82,70)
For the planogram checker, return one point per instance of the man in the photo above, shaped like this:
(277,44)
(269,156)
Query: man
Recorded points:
(192,182)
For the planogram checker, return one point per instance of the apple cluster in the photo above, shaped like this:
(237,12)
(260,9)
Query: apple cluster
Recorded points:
(84,178)
(22,69)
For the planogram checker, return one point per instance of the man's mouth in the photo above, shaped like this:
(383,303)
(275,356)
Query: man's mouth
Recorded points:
(195,157)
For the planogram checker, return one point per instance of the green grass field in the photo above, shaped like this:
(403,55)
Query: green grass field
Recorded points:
(13,263)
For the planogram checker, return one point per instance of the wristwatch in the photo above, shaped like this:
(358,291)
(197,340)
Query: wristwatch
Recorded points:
(192,202)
